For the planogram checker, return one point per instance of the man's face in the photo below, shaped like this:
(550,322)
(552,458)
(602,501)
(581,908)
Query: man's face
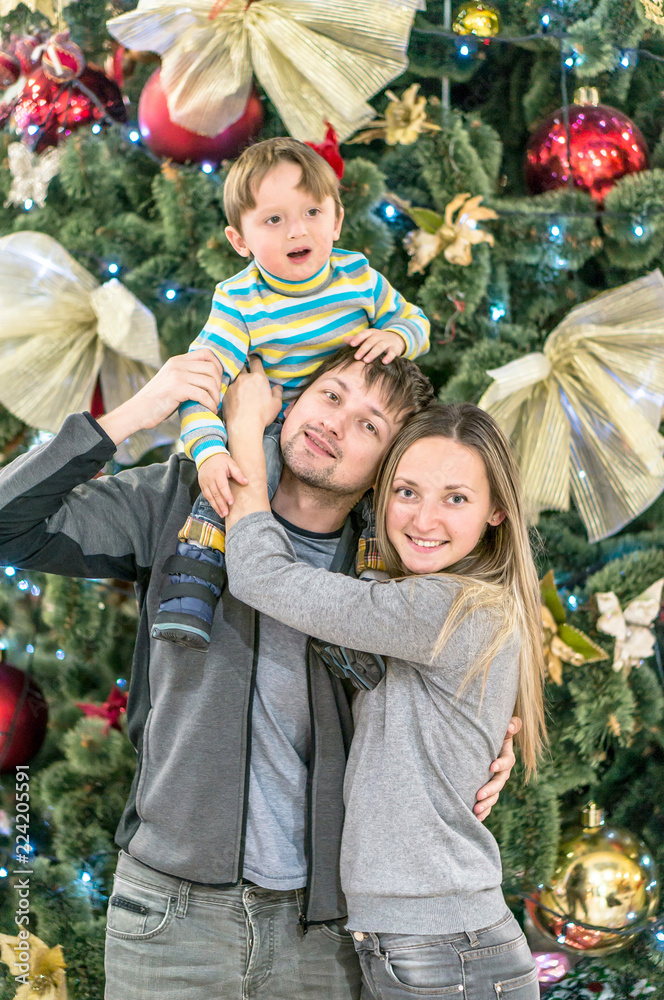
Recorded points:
(289,233)
(336,433)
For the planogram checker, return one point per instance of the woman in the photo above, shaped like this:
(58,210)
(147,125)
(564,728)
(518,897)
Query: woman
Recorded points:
(459,623)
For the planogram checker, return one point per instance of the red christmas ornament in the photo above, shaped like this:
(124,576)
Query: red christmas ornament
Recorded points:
(604,146)
(62,59)
(329,150)
(10,69)
(23,49)
(23,717)
(47,111)
(164,138)
(114,706)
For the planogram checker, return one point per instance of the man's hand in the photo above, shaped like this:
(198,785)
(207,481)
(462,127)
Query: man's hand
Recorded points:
(213,477)
(251,399)
(196,375)
(488,794)
(372,343)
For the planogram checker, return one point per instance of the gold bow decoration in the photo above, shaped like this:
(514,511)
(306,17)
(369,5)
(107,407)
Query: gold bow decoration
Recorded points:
(631,628)
(562,642)
(51,9)
(584,413)
(654,11)
(454,236)
(61,331)
(319,61)
(405,119)
(40,969)
(31,174)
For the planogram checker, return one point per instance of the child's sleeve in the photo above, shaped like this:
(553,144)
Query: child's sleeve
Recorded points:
(393,312)
(227,335)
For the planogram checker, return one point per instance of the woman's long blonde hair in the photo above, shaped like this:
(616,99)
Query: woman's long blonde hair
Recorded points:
(499,575)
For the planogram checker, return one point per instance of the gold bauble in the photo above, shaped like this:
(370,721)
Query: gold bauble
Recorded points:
(604,876)
(476,18)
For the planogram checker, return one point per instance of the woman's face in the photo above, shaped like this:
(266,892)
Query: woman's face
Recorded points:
(439,504)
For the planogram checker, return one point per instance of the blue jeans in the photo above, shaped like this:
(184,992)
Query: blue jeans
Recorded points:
(490,964)
(167,939)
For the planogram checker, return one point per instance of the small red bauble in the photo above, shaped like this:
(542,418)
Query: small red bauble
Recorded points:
(604,146)
(10,69)
(48,111)
(23,717)
(23,49)
(62,59)
(164,138)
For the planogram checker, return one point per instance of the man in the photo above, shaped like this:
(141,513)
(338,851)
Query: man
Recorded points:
(227,883)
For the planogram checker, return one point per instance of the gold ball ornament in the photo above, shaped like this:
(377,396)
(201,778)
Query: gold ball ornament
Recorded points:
(604,876)
(476,18)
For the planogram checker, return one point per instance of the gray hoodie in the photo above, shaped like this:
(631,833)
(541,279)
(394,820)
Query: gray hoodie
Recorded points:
(414,858)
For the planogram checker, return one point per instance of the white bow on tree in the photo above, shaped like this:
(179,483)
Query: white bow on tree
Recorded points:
(62,331)
(631,628)
(318,60)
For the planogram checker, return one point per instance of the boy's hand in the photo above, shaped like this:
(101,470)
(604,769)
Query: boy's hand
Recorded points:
(213,477)
(488,794)
(251,399)
(373,343)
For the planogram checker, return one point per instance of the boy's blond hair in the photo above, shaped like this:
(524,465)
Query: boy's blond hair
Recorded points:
(249,170)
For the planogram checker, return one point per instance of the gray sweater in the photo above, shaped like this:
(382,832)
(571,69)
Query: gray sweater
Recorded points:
(414,858)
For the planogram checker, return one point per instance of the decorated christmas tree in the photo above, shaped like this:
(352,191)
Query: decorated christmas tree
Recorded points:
(509,179)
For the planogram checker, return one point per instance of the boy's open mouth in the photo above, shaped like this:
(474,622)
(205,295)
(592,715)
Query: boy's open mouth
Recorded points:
(299,254)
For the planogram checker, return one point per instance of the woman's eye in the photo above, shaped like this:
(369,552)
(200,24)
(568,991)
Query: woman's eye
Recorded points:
(405,493)
(457,499)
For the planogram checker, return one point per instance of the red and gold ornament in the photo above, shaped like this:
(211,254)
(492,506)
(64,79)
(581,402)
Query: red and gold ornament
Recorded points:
(62,59)
(10,69)
(164,138)
(604,145)
(23,717)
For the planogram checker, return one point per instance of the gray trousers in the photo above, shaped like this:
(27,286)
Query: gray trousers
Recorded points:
(167,939)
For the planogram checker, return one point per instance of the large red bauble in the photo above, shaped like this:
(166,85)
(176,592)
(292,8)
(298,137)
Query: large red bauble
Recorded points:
(23,717)
(164,138)
(604,145)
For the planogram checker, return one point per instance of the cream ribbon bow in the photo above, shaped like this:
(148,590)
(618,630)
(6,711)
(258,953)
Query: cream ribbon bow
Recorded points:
(584,413)
(631,627)
(61,331)
(319,61)
(44,970)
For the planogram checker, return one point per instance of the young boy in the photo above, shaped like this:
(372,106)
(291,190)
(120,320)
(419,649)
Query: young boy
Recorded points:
(297,302)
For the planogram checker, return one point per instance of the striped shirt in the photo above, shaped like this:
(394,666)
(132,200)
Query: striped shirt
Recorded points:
(292,326)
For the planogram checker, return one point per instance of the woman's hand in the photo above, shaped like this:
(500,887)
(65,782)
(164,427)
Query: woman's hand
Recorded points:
(196,375)
(250,399)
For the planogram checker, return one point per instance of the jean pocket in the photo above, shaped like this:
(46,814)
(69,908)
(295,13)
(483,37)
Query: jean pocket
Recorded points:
(137,912)
(428,970)
(522,988)
(336,930)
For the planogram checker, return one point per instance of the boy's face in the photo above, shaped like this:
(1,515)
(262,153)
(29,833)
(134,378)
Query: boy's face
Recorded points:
(288,232)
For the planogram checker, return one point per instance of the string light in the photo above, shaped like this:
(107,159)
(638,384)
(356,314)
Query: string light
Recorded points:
(27,204)
(96,128)
(134,136)
(113,268)
(170,294)
(207,168)
(639,230)
(10,571)
(23,585)
(497,312)
(60,654)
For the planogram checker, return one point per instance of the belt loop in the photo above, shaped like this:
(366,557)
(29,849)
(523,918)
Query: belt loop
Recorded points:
(473,938)
(183,899)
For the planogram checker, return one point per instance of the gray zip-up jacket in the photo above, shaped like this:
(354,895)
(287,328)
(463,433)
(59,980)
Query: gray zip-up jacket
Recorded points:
(188,716)
(415,859)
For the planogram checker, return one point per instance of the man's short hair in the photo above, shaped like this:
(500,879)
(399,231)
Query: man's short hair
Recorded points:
(249,170)
(403,387)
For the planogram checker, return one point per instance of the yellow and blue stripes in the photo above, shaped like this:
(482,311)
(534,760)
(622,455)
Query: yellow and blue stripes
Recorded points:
(292,326)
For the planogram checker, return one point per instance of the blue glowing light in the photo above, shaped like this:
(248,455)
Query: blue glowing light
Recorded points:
(121,682)
(572,601)
(569,62)
(23,585)
(27,204)
(625,61)
(4,873)
(659,935)
(35,591)
(555,230)
(638,230)
(29,648)
(33,129)
(389,211)
(497,312)
(60,654)
(10,571)
(546,20)
(96,128)
(464,50)
(170,294)
(207,168)
(134,136)
(113,268)
(86,877)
